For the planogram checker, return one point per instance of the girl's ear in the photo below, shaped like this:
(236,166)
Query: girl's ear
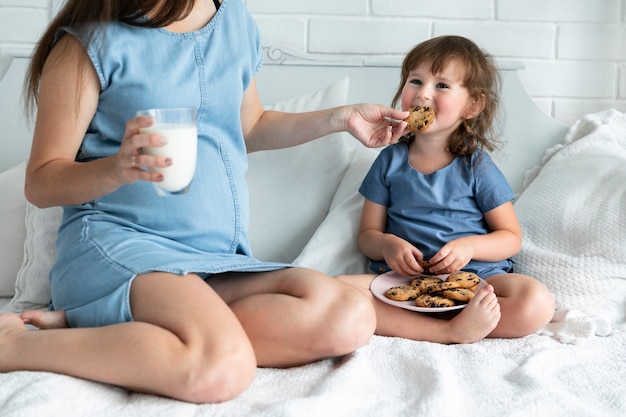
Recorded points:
(476,105)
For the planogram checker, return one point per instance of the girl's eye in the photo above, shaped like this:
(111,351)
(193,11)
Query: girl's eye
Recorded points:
(442,85)
(416,82)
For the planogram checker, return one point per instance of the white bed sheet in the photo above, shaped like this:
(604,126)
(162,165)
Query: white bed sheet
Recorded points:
(533,376)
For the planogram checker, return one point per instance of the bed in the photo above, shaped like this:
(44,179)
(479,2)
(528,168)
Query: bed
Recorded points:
(571,203)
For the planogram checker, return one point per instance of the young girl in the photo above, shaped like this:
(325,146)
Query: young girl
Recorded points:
(162,294)
(437,196)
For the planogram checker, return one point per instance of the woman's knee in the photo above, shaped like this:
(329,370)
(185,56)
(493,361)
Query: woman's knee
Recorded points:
(354,319)
(217,376)
(206,356)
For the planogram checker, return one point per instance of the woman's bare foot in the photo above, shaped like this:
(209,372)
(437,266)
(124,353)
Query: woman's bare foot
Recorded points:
(477,319)
(45,319)
(10,325)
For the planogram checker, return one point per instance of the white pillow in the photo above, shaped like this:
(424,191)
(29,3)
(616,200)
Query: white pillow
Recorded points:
(12,212)
(333,248)
(573,218)
(291,189)
(32,287)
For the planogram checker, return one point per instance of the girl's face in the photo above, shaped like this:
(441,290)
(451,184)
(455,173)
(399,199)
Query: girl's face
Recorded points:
(443,92)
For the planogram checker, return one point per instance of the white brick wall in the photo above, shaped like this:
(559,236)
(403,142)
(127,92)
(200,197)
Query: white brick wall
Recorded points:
(574,50)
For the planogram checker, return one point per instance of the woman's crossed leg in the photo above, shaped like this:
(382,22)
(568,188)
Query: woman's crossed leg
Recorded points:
(198,342)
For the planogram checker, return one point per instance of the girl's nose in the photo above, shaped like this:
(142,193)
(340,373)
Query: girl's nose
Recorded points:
(423,93)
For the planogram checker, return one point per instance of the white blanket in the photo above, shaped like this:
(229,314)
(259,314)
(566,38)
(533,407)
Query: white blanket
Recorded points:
(532,376)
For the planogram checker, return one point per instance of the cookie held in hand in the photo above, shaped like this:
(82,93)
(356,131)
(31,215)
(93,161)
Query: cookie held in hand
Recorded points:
(420,118)
(426,266)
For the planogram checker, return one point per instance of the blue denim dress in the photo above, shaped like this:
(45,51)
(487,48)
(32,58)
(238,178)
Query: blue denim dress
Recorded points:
(104,244)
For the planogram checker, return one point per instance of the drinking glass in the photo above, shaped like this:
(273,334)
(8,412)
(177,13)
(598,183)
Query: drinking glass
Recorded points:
(178,125)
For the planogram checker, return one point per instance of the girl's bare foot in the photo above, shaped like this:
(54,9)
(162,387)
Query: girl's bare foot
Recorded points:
(477,319)
(45,319)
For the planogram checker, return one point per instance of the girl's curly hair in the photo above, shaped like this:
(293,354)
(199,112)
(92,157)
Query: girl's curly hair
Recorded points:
(480,77)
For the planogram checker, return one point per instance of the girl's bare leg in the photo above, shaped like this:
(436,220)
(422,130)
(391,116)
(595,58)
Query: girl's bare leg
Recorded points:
(295,316)
(473,323)
(526,304)
(185,343)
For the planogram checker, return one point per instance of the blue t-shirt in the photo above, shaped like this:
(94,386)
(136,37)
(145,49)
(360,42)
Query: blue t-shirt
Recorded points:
(430,210)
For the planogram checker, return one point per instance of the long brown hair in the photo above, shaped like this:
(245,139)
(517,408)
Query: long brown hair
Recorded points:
(480,77)
(80,12)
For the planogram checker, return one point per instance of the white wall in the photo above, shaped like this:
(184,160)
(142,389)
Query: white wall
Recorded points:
(574,50)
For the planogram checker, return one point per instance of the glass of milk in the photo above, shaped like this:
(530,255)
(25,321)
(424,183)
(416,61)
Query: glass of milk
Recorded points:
(178,125)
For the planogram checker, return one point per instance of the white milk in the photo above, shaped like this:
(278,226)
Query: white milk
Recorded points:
(181,147)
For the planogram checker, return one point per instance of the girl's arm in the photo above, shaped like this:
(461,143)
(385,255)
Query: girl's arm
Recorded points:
(504,241)
(399,254)
(68,97)
(265,130)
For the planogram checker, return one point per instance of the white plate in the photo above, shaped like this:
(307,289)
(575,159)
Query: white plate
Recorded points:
(383,282)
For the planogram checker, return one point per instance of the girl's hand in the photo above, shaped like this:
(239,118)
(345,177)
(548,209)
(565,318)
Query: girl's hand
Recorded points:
(452,257)
(130,161)
(376,125)
(401,256)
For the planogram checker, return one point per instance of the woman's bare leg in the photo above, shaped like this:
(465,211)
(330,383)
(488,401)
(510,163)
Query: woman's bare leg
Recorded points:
(526,304)
(477,320)
(185,343)
(295,316)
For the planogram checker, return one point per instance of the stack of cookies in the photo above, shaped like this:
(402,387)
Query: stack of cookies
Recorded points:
(429,291)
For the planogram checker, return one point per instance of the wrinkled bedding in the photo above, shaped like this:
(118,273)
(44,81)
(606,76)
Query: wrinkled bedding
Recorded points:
(534,376)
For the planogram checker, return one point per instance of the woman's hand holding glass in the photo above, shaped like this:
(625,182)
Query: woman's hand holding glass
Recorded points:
(161,146)
(131,161)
